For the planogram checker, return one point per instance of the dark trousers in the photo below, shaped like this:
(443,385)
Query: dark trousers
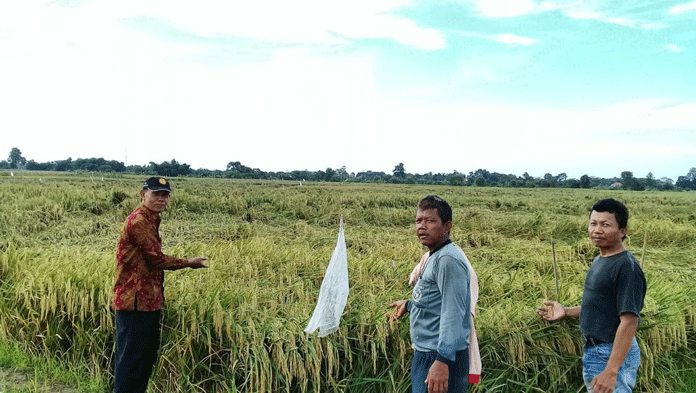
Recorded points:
(137,343)
(458,374)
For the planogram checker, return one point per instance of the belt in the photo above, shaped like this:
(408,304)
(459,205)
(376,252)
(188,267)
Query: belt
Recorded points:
(591,341)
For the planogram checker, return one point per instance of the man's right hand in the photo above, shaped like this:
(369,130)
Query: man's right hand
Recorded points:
(399,310)
(197,262)
(552,312)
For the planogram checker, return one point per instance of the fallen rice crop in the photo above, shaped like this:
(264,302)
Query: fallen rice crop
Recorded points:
(238,326)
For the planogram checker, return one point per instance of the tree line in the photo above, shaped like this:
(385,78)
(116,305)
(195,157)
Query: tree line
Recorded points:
(478,178)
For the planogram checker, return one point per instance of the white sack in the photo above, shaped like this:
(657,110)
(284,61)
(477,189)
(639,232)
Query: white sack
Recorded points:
(333,293)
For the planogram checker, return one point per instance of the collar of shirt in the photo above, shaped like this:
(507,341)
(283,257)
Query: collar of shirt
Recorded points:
(149,214)
(446,242)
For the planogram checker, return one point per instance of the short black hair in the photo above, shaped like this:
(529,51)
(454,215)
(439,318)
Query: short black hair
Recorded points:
(612,206)
(444,211)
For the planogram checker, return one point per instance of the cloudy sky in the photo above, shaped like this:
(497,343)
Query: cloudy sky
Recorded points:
(512,86)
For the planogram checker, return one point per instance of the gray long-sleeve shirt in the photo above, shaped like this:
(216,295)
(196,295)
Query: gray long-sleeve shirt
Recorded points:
(439,308)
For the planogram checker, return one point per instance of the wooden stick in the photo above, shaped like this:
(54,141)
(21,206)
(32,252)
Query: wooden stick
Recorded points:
(645,243)
(555,271)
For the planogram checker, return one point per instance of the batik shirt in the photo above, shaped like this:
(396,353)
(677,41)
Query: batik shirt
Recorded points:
(140,263)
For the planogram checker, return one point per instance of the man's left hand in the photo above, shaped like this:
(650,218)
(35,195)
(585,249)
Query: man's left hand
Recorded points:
(605,382)
(438,377)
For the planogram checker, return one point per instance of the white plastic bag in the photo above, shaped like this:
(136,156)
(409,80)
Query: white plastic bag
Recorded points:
(333,293)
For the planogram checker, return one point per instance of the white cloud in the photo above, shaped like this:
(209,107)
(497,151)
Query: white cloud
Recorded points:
(99,88)
(86,84)
(511,8)
(572,9)
(401,30)
(553,140)
(514,39)
(678,9)
(581,13)
(653,26)
(673,48)
(655,115)
(302,21)
(508,39)
(490,68)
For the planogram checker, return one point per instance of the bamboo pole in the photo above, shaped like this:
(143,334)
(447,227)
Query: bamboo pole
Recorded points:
(642,255)
(555,271)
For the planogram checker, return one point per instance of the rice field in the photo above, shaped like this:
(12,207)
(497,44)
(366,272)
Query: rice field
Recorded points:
(238,325)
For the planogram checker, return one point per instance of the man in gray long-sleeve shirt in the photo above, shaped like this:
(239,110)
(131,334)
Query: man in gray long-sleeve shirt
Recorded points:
(439,308)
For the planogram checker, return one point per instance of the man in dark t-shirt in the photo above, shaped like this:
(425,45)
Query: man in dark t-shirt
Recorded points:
(612,299)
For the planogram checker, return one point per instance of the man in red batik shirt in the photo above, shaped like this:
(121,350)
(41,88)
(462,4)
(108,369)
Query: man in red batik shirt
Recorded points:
(139,288)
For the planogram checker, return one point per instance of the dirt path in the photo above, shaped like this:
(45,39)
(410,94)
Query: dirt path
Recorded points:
(23,381)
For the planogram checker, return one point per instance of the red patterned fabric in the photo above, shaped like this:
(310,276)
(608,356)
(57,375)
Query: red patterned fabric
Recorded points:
(140,263)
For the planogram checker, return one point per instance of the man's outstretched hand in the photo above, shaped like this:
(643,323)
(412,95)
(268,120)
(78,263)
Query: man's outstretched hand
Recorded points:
(197,262)
(399,310)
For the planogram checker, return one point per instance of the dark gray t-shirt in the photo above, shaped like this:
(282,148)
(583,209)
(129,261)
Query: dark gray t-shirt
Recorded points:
(614,285)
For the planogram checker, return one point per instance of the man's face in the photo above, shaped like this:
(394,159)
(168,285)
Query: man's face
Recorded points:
(155,200)
(430,229)
(604,230)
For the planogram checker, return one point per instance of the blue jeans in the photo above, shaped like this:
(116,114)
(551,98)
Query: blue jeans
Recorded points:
(594,361)
(458,374)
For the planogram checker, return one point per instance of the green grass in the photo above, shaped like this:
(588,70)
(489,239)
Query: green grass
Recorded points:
(689,380)
(238,326)
(24,371)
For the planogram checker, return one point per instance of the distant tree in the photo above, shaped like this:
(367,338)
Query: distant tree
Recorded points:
(98,165)
(692,174)
(202,172)
(627,180)
(561,177)
(64,165)
(572,183)
(584,181)
(650,181)
(15,159)
(684,183)
(138,169)
(371,177)
(39,166)
(666,180)
(549,180)
(483,174)
(666,186)
(399,171)
(456,179)
(301,175)
(237,166)
(687,182)
(257,173)
(342,174)
(631,183)
(329,174)
(170,169)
